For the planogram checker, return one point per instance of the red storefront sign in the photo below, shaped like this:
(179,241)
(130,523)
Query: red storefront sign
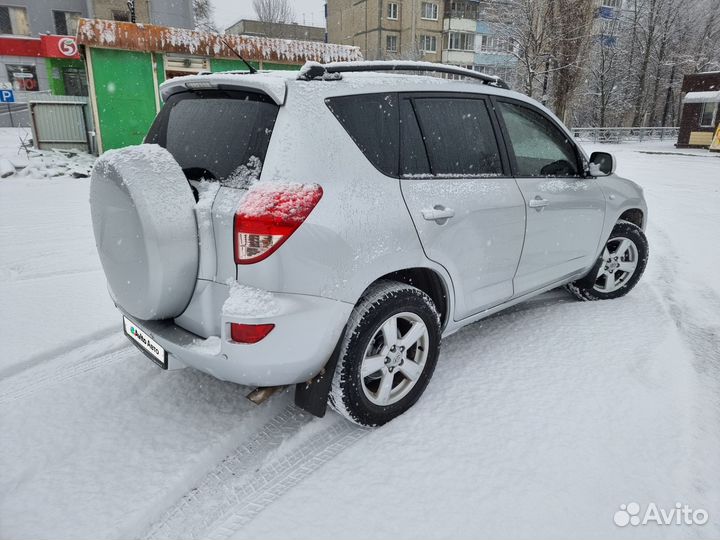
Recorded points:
(19,46)
(59,47)
(46,46)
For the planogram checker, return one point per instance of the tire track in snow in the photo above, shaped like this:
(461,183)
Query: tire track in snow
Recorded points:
(255,475)
(65,366)
(702,338)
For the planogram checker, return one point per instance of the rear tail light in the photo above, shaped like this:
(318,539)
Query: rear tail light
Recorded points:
(249,333)
(268,215)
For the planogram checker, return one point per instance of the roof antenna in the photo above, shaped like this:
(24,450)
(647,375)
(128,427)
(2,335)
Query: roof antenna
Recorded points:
(252,69)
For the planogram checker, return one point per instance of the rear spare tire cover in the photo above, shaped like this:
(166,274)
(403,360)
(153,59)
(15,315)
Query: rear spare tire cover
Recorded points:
(145,230)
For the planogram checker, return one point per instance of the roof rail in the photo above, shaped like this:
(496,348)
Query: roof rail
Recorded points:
(314,70)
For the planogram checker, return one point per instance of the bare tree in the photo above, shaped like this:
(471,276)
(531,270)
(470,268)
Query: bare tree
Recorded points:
(521,23)
(571,30)
(203,11)
(274,11)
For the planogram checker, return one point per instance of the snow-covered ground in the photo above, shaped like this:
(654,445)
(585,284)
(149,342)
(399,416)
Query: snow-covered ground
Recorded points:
(539,422)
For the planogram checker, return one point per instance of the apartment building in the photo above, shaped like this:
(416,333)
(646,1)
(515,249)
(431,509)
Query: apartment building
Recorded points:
(473,36)
(609,17)
(386,30)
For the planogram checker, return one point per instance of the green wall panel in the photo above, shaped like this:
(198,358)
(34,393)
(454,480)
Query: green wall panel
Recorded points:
(125,95)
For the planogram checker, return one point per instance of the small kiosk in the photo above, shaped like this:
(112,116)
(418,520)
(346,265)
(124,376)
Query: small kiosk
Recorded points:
(700,118)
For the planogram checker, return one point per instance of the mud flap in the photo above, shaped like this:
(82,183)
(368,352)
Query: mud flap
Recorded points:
(312,396)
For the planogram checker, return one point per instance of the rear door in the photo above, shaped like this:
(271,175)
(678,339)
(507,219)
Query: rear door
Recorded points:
(565,211)
(468,211)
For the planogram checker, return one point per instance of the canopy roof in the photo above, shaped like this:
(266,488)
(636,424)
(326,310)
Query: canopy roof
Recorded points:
(152,38)
(712,96)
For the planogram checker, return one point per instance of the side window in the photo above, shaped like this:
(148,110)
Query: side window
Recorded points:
(371,120)
(458,136)
(540,148)
(413,158)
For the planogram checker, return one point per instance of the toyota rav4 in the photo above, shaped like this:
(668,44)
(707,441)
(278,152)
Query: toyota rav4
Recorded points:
(328,227)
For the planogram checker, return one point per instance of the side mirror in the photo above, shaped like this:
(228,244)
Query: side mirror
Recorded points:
(602,164)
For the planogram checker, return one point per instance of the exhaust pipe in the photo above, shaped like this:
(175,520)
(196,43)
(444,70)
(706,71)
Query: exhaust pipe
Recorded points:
(260,395)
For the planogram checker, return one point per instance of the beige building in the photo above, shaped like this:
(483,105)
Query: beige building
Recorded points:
(386,30)
(277,30)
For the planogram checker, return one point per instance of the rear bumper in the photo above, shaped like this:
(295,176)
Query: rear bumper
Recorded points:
(306,330)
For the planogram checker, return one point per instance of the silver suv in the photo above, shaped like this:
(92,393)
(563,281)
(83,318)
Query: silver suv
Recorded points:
(328,228)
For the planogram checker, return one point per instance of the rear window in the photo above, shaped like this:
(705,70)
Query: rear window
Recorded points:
(371,120)
(216,135)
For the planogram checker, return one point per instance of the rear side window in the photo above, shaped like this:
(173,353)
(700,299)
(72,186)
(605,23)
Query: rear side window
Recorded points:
(216,135)
(459,137)
(371,120)
(540,147)
(413,157)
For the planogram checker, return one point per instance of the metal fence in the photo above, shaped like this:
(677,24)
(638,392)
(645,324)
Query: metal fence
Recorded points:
(62,122)
(622,134)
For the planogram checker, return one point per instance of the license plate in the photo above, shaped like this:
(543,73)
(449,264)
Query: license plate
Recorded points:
(145,343)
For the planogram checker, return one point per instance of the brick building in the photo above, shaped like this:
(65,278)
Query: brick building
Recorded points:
(700,114)
(387,30)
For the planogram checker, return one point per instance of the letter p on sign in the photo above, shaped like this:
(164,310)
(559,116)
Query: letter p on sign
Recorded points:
(7,96)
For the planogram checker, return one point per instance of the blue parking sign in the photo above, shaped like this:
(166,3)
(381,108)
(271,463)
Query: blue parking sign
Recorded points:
(7,96)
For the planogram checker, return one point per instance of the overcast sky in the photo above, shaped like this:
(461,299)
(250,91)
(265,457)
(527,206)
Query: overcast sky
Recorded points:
(227,12)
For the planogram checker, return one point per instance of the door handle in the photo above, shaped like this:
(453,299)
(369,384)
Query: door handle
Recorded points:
(538,202)
(439,214)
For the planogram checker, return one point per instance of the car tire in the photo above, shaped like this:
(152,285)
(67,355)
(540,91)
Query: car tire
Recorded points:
(619,267)
(379,375)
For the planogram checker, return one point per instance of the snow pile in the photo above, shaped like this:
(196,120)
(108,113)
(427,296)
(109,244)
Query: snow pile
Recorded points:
(245,175)
(247,301)
(6,168)
(207,191)
(54,163)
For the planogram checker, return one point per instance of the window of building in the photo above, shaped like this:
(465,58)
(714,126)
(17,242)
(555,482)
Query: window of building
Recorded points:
(540,148)
(612,3)
(14,20)
(490,43)
(392,11)
(391,43)
(429,10)
(459,138)
(23,77)
(707,117)
(121,15)
(75,81)
(428,43)
(371,121)
(462,10)
(66,22)
(461,41)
